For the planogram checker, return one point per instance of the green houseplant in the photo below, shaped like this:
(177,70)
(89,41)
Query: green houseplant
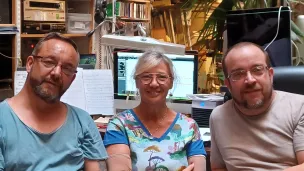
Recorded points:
(215,24)
(213,28)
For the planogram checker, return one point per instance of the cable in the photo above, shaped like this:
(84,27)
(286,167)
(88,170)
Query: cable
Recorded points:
(279,17)
(8,56)
(90,33)
(265,1)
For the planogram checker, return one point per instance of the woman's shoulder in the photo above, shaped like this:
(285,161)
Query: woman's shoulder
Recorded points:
(186,119)
(185,122)
(124,116)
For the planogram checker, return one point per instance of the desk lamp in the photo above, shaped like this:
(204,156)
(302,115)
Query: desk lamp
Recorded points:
(138,42)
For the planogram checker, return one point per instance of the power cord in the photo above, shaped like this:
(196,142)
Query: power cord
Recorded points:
(278,28)
(8,56)
(266,5)
(297,49)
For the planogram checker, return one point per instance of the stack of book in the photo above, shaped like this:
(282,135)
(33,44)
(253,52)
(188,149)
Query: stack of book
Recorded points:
(130,10)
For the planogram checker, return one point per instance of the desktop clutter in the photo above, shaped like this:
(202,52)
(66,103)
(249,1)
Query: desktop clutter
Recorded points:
(102,123)
(202,107)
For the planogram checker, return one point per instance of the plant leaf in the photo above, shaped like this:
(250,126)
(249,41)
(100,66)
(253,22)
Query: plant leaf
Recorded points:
(295,37)
(296,29)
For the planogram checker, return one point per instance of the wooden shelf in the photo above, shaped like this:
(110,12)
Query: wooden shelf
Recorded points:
(138,1)
(42,35)
(7,25)
(133,19)
(166,7)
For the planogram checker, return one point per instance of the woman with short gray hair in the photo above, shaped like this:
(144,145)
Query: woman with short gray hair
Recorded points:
(151,136)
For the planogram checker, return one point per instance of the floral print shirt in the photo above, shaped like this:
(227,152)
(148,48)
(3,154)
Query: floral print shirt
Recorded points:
(167,153)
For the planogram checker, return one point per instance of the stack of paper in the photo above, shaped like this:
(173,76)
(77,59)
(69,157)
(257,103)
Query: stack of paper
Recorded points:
(92,90)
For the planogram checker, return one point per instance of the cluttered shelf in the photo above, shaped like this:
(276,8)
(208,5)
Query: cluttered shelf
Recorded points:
(42,35)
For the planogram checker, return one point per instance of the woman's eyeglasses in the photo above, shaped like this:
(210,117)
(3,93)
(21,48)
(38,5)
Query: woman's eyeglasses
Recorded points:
(147,78)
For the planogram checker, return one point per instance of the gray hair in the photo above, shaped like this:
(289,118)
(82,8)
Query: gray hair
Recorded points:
(150,59)
(54,35)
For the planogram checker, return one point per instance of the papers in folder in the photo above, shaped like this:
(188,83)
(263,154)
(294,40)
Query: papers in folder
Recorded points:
(92,90)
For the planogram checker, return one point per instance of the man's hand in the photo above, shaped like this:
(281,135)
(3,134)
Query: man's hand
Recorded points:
(190,167)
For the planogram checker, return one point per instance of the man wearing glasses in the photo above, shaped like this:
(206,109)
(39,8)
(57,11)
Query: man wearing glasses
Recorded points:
(260,128)
(37,131)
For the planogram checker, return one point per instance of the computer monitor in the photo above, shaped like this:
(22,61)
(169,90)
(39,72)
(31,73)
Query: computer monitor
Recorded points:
(88,59)
(186,83)
(260,26)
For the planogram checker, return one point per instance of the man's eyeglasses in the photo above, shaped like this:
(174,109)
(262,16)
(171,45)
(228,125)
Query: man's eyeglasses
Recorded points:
(147,78)
(51,64)
(242,74)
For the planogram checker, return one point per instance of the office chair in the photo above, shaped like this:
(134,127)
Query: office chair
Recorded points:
(289,79)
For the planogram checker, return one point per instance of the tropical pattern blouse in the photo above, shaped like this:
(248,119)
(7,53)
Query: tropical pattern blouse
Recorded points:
(167,153)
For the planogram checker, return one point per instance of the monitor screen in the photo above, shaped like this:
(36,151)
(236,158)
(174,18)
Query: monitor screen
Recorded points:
(260,26)
(88,59)
(185,69)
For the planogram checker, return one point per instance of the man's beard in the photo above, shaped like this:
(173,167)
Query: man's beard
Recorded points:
(257,104)
(44,93)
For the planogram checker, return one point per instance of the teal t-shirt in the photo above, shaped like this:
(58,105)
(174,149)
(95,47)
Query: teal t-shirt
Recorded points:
(23,148)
